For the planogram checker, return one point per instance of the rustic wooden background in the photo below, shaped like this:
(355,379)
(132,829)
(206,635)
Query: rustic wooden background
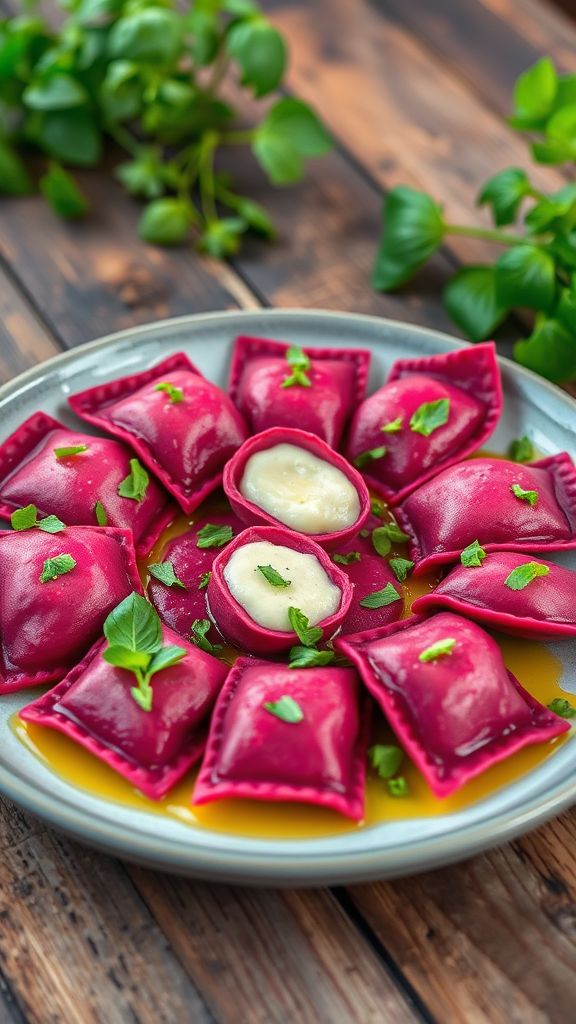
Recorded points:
(415,91)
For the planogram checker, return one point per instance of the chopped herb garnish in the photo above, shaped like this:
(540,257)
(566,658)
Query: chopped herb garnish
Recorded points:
(352,556)
(473,555)
(381,598)
(204,580)
(309,657)
(394,427)
(364,458)
(214,536)
(364,534)
(530,496)
(299,363)
(286,708)
(176,395)
(134,634)
(398,787)
(73,449)
(199,636)
(384,536)
(521,450)
(386,759)
(164,571)
(438,650)
(377,507)
(135,485)
(396,534)
(57,566)
(307,635)
(522,575)
(101,514)
(429,416)
(26,518)
(562,707)
(401,567)
(273,577)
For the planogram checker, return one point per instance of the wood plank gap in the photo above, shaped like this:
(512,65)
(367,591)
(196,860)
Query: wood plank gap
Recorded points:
(28,300)
(10,1010)
(357,918)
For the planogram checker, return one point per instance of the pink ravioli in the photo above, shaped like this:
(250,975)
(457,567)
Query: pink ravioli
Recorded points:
(234,622)
(319,760)
(543,608)
(455,714)
(252,514)
(46,627)
(70,486)
(369,574)
(468,379)
(151,749)
(184,435)
(337,383)
(474,500)
(179,608)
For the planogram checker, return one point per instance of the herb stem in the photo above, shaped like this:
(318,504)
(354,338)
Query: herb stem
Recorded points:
(206,175)
(219,72)
(237,138)
(123,137)
(487,234)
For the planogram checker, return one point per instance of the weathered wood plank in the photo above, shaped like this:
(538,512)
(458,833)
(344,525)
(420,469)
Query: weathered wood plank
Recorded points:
(490,940)
(77,944)
(24,340)
(263,957)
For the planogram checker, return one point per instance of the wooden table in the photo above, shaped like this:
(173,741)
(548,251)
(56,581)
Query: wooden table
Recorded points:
(415,91)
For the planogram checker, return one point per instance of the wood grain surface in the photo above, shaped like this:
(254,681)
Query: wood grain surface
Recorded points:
(413,92)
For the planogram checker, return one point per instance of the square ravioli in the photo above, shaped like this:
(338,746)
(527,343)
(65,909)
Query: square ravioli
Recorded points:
(152,749)
(288,735)
(55,593)
(444,688)
(182,427)
(503,505)
(431,413)
(34,470)
(509,592)
(278,385)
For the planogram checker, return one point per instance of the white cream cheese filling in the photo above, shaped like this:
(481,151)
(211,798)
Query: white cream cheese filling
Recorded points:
(302,491)
(311,589)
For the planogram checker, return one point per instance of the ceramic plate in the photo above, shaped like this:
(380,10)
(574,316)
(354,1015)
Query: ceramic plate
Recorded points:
(385,850)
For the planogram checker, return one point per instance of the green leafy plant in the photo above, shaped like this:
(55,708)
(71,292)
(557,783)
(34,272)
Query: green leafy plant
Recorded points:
(536,269)
(152,77)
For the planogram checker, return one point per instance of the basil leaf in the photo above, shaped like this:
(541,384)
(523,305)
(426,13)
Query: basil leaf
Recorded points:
(143,695)
(135,485)
(273,577)
(213,536)
(299,363)
(534,94)
(398,787)
(289,133)
(526,276)
(524,574)
(51,524)
(430,416)
(199,636)
(101,514)
(73,449)
(562,707)
(473,555)
(164,571)
(55,92)
(381,541)
(165,658)
(260,51)
(381,598)
(401,567)
(307,635)
(521,450)
(365,458)
(395,533)
(57,566)
(24,518)
(151,35)
(377,507)
(123,657)
(530,496)
(286,709)
(550,351)
(386,759)
(61,191)
(204,580)
(221,238)
(348,559)
(176,395)
(165,221)
(471,300)
(438,650)
(309,657)
(504,192)
(72,136)
(413,230)
(135,625)
(394,427)
(14,178)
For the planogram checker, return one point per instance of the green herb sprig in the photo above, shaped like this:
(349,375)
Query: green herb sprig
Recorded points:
(535,230)
(152,78)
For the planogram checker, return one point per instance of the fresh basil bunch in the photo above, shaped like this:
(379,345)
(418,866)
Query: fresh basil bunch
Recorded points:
(149,75)
(537,267)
